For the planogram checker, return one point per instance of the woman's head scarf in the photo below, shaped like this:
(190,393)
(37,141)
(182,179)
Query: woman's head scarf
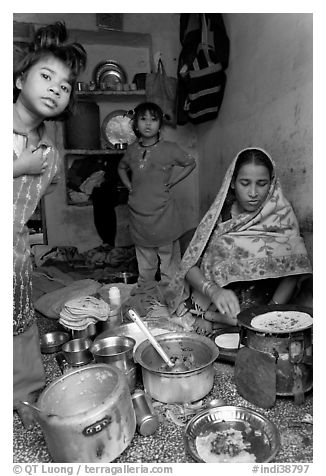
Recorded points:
(251,246)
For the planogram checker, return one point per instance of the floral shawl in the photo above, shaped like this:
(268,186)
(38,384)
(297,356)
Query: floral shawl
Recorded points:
(252,246)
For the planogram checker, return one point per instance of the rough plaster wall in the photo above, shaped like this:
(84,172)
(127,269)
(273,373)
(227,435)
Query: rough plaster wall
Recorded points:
(72,225)
(267,103)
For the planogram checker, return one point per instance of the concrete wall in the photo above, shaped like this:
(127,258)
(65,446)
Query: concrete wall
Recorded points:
(73,225)
(267,103)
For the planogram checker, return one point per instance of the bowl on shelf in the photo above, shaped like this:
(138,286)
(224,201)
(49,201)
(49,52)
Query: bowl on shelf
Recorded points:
(53,341)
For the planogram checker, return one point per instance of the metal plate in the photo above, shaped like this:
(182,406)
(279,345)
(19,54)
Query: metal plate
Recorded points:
(116,128)
(104,69)
(245,317)
(227,354)
(261,433)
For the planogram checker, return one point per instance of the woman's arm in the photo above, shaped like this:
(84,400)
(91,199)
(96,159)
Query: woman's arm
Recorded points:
(284,290)
(225,300)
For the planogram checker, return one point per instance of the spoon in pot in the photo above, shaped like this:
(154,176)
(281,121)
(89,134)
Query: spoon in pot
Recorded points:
(34,407)
(135,318)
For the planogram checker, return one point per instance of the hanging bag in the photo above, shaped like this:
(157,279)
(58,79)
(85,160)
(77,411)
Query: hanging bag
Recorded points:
(162,89)
(206,81)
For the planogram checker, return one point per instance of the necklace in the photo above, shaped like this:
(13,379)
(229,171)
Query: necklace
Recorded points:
(145,155)
(149,145)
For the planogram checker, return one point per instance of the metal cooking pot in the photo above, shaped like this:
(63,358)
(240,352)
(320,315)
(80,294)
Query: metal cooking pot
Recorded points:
(95,419)
(117,351)
(170,386)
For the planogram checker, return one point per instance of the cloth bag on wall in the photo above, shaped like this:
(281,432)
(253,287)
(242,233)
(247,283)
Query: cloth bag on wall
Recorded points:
(206,81)
(162,89)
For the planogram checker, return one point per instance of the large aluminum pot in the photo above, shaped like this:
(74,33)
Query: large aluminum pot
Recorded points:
(95,419)
(175,386)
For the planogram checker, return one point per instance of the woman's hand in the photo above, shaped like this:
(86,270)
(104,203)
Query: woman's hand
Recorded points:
(226,301)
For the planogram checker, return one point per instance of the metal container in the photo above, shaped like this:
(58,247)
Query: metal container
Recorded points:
(117,351)
(53,341)
(96,420)
(146,420)
(77,351)
(170,386)
(90,332)
(114,320)
(292,351)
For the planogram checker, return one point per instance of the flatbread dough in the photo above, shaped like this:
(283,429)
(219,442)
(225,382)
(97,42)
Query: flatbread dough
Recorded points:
(282,321)
(204,445)
(228,340)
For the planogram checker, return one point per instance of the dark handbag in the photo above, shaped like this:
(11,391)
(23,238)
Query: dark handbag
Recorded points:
(205,82)
(162,89)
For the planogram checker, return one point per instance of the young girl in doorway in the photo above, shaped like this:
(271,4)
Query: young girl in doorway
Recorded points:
(155,223)
(44,81)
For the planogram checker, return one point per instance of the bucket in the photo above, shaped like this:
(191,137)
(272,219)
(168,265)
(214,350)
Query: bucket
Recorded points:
(82,129)
(117,351)
(94,419)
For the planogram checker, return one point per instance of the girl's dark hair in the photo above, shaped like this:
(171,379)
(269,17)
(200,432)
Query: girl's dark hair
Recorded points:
(52,40)
(253,156)
(141,109)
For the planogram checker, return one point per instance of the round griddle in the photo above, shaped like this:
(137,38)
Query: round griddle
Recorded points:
(245,317)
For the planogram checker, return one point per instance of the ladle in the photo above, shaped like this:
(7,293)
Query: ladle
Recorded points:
(135,317)
(34,407)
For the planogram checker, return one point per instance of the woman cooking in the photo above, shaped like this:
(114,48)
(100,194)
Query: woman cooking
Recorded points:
(246,251)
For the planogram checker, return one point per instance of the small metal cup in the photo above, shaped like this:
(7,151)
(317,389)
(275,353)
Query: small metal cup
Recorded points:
(146,420)
(77,351)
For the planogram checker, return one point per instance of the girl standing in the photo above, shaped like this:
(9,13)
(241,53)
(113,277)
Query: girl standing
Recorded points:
(155,223)
(246,251)
(43,90)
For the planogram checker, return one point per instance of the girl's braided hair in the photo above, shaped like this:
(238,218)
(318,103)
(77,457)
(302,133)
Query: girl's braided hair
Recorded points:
(52,40)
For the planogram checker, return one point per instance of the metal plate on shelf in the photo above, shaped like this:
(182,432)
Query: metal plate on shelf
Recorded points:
(258,433)
(110,73)
(116,129)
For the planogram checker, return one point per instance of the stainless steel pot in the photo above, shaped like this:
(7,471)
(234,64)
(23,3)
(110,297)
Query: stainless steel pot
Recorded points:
(96,420)
(117,351)
(170,386)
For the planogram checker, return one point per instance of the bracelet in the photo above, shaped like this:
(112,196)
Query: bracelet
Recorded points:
(272,301)
(206,286)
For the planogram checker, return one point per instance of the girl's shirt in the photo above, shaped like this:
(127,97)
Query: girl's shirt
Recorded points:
(27,192)
(154,218)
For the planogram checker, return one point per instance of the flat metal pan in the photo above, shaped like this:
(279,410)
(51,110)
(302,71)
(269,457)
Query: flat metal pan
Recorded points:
(245,317)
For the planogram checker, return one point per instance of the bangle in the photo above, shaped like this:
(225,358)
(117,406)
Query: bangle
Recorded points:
(206,287)
(273,301)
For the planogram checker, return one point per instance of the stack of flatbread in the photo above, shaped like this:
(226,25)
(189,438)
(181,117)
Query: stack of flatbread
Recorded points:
(79,313)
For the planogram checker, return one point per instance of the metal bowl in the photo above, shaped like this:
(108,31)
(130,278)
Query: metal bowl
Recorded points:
(53,341)
(256,429)
(170,386)
(77,351)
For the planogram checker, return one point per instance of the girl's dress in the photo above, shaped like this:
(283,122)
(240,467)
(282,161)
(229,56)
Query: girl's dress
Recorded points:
(248,252)
(154,218)
(27,192)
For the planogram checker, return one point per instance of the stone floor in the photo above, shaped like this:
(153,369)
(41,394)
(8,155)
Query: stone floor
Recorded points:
(166,445)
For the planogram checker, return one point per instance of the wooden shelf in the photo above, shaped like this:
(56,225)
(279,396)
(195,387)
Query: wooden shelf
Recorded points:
(110,37)
(93,151)
(109,93)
